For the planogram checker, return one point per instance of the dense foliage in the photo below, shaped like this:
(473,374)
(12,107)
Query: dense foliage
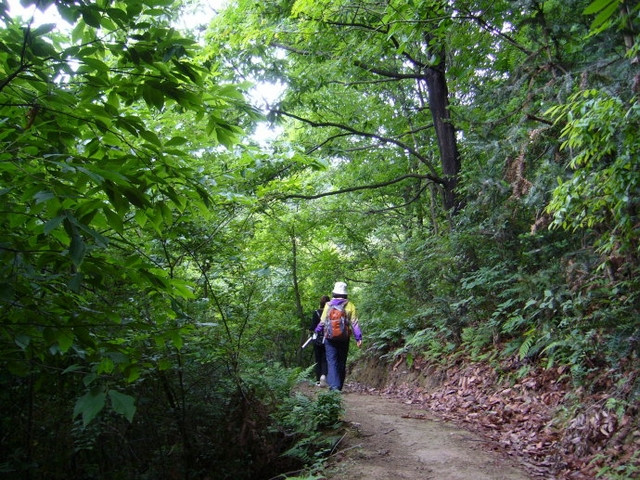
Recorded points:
(130,338)
(535,257)
(469,167)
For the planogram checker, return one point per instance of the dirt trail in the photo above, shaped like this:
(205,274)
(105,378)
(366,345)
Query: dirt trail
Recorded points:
(391,440)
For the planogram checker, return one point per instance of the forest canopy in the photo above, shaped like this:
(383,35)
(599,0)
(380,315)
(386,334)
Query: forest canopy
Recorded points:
(468,167)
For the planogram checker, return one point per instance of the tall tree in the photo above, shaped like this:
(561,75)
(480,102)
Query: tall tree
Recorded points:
(110,146)
(362,75)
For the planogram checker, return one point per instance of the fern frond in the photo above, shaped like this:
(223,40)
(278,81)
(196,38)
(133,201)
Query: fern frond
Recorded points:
(526,346)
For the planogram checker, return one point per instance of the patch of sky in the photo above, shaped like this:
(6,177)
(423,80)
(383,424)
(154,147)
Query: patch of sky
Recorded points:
(195,16)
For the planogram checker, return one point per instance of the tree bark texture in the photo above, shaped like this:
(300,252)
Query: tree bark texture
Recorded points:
(445,132)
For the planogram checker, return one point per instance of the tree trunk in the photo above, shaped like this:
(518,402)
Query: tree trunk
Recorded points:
(446,135)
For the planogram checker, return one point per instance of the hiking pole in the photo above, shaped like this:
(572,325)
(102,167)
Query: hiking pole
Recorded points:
(307,342)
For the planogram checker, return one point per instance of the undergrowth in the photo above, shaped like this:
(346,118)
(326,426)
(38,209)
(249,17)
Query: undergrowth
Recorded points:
(313,423)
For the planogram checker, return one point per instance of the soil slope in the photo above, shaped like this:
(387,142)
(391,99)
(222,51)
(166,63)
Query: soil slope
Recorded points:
(388,439)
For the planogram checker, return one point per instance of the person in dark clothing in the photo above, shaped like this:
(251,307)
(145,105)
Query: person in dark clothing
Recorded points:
(318,345)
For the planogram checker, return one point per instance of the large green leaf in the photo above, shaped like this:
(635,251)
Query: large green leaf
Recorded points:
(90,405)
(153,95)
(122,404)
(598,5)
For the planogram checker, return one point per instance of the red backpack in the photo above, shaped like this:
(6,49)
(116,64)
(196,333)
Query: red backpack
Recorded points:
(336,323)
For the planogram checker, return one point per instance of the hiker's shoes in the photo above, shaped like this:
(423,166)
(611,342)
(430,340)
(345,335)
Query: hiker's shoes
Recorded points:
(323,381)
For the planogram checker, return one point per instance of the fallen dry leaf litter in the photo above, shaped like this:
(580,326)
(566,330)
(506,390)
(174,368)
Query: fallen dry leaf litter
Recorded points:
(556,430)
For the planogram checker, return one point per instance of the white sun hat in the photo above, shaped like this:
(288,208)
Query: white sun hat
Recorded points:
(340,288)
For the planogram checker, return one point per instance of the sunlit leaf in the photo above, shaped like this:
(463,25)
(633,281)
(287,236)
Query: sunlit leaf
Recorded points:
(597,5)
(604,15)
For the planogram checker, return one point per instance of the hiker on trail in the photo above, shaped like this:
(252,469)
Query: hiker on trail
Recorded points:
(318,344)
(338,322)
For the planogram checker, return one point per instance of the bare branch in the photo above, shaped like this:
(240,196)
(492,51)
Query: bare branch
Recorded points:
(390,73)
(381,138)
(326,140)
(395,207)
(362,187)
(539,119)
(363,82)
(495,31)
(417,129)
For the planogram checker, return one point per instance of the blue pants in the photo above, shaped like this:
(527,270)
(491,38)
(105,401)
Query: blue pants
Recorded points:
(336,352)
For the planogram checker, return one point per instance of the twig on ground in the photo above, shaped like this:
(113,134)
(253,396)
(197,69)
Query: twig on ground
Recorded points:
(336,444)
(347,449)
